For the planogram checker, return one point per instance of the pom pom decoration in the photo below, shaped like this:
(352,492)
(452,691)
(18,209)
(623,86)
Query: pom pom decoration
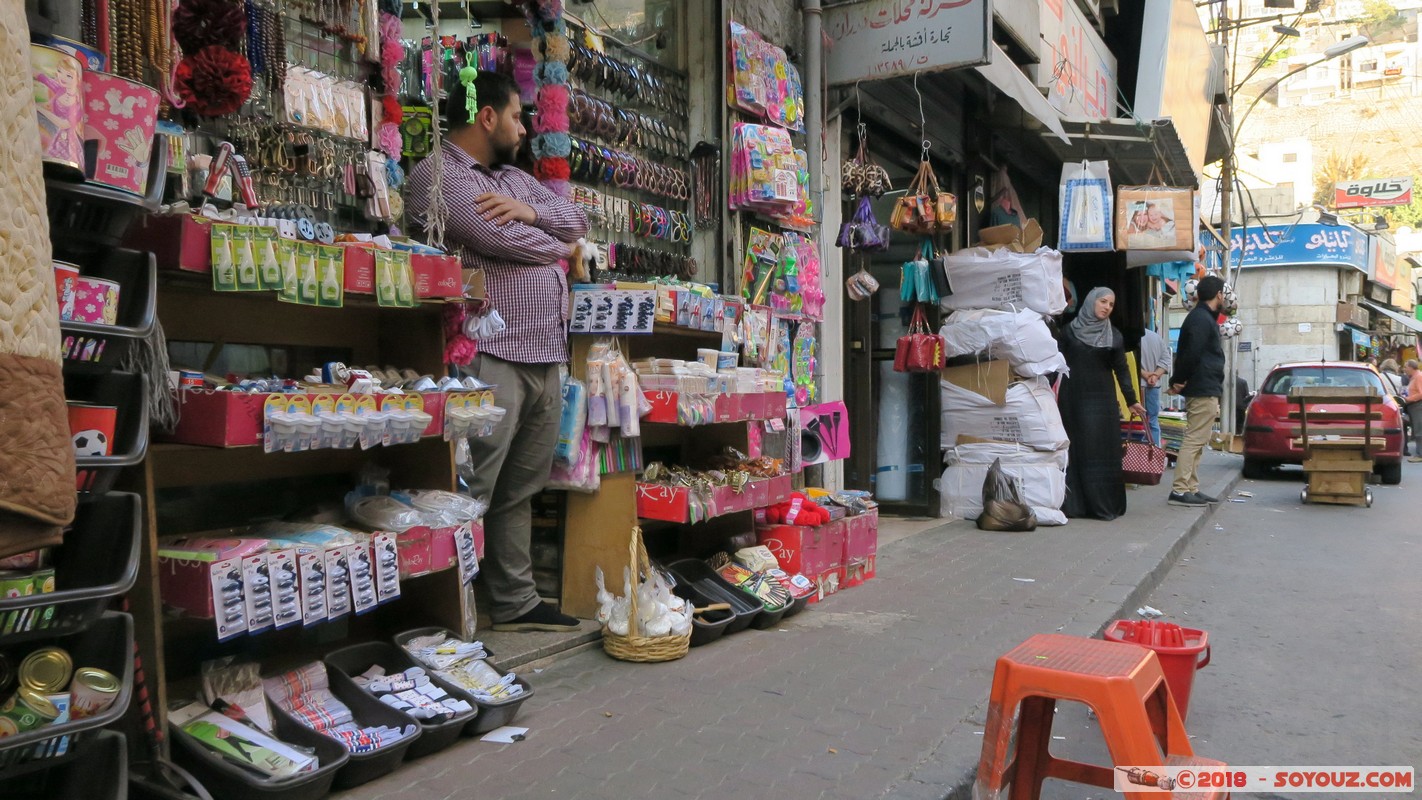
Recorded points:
(550,73)
(556,47)
(552,108)
(454,316)
(550,9)
(559,187)
(460,350)
(214,81)
(198,24)
(391,143)
(391,110)
(547,169)
(554,145)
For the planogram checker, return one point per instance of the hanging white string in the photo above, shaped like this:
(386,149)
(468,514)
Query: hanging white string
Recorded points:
(436,209)
(922,121)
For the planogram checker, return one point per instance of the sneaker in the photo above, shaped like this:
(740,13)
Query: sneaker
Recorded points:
(1208,500)
(1187,500)
(543,617)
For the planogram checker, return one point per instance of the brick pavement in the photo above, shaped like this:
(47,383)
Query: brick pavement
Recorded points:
(876,692)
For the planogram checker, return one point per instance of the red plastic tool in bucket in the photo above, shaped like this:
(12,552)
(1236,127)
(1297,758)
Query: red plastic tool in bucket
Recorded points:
(1177,648)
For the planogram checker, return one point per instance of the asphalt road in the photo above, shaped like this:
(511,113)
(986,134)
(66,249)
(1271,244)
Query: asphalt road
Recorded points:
(1314,615)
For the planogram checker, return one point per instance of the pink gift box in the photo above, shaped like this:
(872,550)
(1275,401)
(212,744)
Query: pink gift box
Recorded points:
(95,301)
(861,548)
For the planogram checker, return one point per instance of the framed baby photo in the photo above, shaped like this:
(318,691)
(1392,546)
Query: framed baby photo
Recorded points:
(1155,218)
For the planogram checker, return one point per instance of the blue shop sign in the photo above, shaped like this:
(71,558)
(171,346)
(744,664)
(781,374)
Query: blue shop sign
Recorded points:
(1361,338)
(1305,244)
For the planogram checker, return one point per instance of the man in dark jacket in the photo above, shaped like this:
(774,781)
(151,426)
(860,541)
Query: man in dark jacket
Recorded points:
(1199,377)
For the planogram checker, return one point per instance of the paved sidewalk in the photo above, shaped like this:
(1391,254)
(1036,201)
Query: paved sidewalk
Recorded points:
(876,692)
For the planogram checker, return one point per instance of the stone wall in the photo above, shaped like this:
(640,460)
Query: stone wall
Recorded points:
(779,21)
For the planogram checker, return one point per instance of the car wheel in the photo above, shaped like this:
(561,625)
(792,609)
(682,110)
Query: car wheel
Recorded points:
(1255,469)
(1391,474)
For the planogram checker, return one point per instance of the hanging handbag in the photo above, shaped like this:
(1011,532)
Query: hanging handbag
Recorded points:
(919,350)
(937,270)
(925,208)
(1142,463)
(1155,216)
(863,233)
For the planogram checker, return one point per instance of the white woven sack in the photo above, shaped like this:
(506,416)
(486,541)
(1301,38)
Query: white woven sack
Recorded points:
(1030,416)
(1020,336)
(1002,279)
(1040,477)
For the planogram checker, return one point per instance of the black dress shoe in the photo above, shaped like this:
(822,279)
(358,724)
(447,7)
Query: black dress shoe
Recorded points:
(543,617)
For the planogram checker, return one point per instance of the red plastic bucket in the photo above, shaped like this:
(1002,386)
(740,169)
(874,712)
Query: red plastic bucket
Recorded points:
(1177,648)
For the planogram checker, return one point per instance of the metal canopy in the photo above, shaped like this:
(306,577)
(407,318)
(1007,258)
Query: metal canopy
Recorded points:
(1402,319)
(1131,147)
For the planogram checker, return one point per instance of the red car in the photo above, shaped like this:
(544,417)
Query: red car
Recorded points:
(1269,433)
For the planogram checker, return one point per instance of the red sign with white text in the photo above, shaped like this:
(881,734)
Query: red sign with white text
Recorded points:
(1372,193)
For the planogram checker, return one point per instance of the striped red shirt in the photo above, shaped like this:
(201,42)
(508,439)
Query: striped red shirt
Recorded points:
(520,262)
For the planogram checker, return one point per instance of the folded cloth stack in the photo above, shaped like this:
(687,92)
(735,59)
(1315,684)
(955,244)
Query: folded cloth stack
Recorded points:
(305,694)
(462,664)
(412,692)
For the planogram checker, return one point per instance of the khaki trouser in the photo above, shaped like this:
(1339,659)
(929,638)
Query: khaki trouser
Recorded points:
(510,467)
(1200,415)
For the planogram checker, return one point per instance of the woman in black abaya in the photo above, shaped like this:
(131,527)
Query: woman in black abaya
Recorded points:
(1095,350)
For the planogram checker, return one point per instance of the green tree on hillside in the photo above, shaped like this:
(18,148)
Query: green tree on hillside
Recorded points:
(1339,167)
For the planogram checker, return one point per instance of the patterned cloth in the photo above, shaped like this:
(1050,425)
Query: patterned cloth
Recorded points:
(521,271)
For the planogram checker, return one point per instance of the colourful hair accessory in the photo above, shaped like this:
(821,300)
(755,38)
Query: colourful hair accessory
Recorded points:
(559,187)
(557,145)
(552,109)
(546,169)
(550,73)
(550,9)
(555,47)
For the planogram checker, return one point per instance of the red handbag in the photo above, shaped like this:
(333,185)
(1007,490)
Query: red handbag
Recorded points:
(919,350)
(1142,463)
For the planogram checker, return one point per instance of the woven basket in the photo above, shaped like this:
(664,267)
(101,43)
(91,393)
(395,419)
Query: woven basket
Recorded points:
(642,648)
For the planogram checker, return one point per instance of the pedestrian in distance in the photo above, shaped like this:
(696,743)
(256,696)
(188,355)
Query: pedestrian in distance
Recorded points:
(502,220)
(1096,354)
(1414,406)
(1199,378)
(1154,367)
(1397,389)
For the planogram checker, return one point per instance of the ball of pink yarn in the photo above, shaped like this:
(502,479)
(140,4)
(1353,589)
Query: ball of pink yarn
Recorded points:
(390,141)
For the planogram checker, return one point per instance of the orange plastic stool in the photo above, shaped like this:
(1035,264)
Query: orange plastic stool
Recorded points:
(1122,683)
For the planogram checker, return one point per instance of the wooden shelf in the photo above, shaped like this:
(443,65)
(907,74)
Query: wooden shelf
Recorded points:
(428,463)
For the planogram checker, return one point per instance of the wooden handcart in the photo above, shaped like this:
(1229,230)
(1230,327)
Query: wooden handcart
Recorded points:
(1337,459)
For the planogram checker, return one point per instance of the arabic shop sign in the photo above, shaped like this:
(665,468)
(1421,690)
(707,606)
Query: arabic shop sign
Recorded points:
(886,38)
(1368,194)
(1076,69)
(1305,244)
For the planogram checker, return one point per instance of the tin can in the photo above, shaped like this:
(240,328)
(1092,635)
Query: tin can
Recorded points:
(90,57)
(93,692)
(96,301)
(14,583)
(46,670)
(43,580)
(66,288)
(59,100)
(25,711)
(190,379)
(119,120)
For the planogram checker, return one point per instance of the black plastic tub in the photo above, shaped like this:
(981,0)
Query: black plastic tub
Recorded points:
(364,767)
(358,658)
(95,348)
(89,217)
(711,630)
(695,574)
(227,781)
(491,714)
(101,773)
(106,644)
(98,561)
(796,606)
(768,619)
(125,391)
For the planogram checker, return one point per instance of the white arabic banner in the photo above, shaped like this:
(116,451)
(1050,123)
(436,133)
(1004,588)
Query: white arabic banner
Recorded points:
(887,38)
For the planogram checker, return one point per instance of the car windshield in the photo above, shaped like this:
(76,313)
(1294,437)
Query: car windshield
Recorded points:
(1282,380)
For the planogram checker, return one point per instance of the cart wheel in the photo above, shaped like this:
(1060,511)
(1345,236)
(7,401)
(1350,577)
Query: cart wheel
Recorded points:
(1368,497)
(1303,495)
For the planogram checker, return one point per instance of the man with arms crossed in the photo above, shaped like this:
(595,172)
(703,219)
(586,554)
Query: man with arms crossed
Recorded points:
(501,220)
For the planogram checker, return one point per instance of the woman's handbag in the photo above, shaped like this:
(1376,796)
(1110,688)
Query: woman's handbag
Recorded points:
(863,233)
(920,350)
(924,209)
(1142,463)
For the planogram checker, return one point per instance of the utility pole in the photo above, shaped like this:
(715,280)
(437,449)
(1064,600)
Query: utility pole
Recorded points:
(1227,414)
